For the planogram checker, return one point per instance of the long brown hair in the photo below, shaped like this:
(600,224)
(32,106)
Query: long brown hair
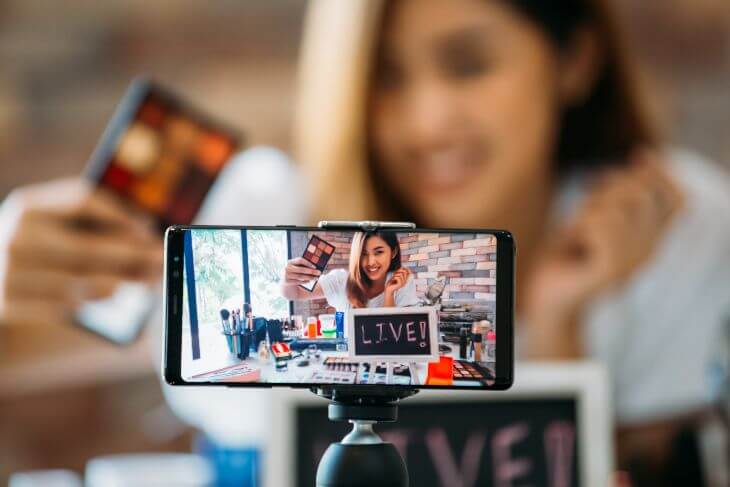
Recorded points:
(335,65)
(357,282)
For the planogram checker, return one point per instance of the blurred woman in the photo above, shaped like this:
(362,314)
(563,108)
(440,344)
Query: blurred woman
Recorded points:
(375,276)
(528,115)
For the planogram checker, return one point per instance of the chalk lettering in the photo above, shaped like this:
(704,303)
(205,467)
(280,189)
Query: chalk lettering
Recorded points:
(380,331)
(364,337)
(507,469)
(400,329)
(411,332)
(443,458)
(559,438)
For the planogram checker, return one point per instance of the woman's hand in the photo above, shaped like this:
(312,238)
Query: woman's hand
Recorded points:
(613,234)
(65,242)
(299,271)
(396,281)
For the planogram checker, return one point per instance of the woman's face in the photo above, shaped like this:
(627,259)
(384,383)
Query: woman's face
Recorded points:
(463,110)
(375,258)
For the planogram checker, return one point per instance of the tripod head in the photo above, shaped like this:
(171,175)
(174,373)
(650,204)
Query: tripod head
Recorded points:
(362,458)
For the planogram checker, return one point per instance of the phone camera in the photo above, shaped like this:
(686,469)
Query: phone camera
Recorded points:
(176,274)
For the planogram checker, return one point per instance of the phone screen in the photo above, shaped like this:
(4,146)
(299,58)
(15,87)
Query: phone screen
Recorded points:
(339,307)
(162,156)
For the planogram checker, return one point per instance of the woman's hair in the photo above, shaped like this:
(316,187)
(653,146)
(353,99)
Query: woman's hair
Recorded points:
(614,118)
(336,62)
(357,281)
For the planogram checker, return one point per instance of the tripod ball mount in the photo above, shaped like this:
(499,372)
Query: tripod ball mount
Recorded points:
(362,458)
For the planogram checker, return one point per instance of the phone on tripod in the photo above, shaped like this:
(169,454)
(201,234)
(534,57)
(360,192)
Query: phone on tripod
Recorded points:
(363,307)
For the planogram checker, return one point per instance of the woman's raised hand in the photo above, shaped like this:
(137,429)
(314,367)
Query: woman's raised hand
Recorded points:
(299,271)
(397,280)
(64,242)
(614,233)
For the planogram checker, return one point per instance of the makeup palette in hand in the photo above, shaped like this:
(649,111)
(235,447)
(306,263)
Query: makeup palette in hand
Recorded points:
(161,154)
(318,253)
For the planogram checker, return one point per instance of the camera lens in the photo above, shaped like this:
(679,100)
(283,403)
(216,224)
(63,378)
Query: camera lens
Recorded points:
(176,274)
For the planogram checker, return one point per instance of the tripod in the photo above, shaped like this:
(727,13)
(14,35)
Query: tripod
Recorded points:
(362,458)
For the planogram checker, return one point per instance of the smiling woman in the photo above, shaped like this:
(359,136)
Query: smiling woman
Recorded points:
(527,115)
(375,276)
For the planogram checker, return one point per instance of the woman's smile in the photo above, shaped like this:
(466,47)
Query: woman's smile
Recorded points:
(373,271)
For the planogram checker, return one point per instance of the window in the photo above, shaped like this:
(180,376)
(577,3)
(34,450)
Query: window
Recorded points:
(267,256)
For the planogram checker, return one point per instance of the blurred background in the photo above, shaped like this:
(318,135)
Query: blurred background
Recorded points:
(65,66)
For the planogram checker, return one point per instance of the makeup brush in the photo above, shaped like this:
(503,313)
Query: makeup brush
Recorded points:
(225,314)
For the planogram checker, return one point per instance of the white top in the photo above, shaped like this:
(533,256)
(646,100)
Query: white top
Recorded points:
(334,286)
(657,334)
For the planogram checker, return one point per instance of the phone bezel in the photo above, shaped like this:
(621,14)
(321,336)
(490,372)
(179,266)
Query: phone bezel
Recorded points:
(173,300)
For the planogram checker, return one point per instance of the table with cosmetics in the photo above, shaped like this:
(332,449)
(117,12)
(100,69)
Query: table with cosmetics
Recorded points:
(324,359)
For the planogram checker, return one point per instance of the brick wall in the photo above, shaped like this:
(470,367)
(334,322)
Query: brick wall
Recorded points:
(467,263)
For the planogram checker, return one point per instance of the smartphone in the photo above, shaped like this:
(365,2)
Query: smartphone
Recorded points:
(161,156)
(343,307)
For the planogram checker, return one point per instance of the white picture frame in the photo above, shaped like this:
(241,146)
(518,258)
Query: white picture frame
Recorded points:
(432,354)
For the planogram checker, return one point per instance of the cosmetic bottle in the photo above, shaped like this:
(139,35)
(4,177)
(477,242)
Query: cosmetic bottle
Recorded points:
(462,343)
(476,345)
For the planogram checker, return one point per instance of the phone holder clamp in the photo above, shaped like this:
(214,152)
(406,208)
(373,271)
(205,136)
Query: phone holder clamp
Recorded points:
(365,225)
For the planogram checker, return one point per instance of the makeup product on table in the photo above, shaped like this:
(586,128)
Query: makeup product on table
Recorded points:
(243,372)
(340,324)
(328,328)
(312,327)
(263,351)
(298,322)
(234,322)
(225,323)
(342,364)
(244,344)
(441,373)
(318,253)
(476,346)
(463,337)
(464,370)
(281,364)
(281,350)
(491,347)
(333,377)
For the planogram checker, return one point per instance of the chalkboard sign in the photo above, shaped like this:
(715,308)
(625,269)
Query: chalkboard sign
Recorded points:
(393,334)
(531,441)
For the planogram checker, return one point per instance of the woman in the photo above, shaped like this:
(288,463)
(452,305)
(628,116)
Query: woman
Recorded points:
(375,276)
(526,115)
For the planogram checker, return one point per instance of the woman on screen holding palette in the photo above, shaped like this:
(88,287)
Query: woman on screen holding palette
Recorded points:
(374,278)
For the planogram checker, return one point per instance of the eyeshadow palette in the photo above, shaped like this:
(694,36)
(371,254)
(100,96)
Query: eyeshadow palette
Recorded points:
(318,253)
(160,154)
(464,370)
(340,364)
